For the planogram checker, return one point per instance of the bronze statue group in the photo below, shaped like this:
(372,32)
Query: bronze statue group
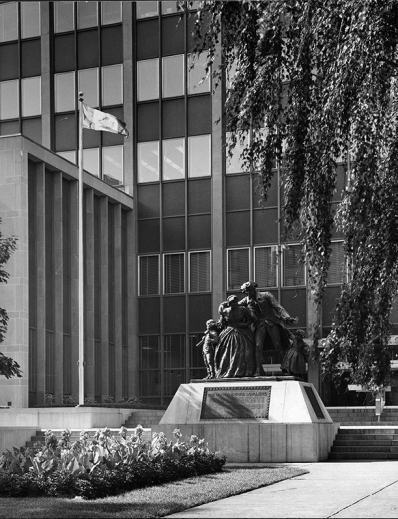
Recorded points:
(233,345)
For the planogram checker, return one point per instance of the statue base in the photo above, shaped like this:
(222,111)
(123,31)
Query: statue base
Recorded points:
(253,420)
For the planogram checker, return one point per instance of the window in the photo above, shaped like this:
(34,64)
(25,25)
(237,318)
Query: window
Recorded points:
(173,273)
(9,21)
(148,275)
(9,99)
(169,7)
(31,96)
(149,352)
(30,19)
(148,161)
(234,163)
(68,155)
(112,85)
(199,271)
(293,267)
(146,9)
(91,161)
(265,266)
(87,15)
(173,76)
(148,79)
(88,84)
(112,165)
(111,12)
(64,92)
(196,74)
(174,351)
(63,16)
(335,274)
(173,159)
(238,268)
(199,156)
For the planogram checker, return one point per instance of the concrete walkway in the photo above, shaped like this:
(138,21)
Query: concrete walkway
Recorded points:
(330,489)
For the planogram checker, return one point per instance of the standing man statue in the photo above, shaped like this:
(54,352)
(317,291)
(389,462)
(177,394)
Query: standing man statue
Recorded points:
(271,320)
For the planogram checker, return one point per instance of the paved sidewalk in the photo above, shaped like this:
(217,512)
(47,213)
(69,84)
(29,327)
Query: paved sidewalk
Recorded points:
(330,489)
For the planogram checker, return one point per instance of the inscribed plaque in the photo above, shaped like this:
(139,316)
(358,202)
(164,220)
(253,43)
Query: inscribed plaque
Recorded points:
(314,402)
(235,403)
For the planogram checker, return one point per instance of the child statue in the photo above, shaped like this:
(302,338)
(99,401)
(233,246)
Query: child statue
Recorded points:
(295,359)
(209,341)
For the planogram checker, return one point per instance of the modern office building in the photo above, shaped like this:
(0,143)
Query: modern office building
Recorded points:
(171,227)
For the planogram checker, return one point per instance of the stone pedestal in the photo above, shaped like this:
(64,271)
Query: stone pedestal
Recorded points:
(263,419)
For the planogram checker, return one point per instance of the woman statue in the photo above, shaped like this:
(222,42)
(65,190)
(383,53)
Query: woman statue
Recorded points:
(234,353)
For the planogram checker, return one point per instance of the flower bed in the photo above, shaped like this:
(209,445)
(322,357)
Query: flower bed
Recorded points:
(103,466)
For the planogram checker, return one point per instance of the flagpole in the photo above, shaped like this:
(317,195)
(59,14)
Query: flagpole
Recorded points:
(81,262)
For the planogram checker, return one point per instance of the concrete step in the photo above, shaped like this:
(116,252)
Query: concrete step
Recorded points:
(364,443)
(361,448)
(334,456)
(360,437)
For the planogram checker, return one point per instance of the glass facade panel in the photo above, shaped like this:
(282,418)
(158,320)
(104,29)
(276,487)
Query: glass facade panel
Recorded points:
(169,7)
(68,155)
(88,84)
(265,266)
(234,162)
(146,9)
(196,74)
(9,99)
(30,19)
(87,15)
(149,352)
(293,266)
(9,21)
(174,351)
(111,12)
(173,273)
(148,275)
(112,165)
(148,161)
(238,268)
(335,274)
(91,161)
(199,272)
(199,156)
(64,92)
(63,16)
(173,159)
(173,76)
(112,85)
(31,96)
(148,79)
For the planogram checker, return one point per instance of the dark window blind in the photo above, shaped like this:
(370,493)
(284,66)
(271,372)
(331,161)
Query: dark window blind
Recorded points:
(199,270)
(149,275)
(173,273)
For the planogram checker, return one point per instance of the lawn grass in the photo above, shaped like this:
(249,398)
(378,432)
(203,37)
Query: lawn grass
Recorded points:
(156,501)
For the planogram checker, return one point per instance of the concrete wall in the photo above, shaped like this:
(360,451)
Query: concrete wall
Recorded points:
(261,443)
(62,418)
(14,294)
(11,437)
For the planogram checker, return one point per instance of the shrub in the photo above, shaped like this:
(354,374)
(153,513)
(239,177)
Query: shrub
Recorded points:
(104,465)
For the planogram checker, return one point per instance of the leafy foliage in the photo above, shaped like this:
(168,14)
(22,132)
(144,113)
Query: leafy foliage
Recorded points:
(8,367)
(104,465)
(312,82)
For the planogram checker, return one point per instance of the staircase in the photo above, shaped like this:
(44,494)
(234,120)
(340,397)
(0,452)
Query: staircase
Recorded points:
(144,417)
(361,443)
(75,435)
(363,435)
(364,416)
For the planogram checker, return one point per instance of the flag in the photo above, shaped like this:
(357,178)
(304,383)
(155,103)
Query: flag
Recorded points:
(95,120)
